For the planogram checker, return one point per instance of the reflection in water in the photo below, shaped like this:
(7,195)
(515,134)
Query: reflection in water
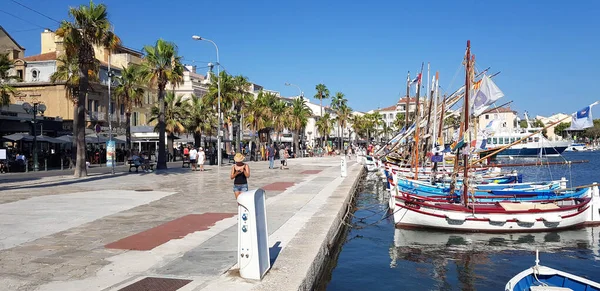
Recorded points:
(376,256)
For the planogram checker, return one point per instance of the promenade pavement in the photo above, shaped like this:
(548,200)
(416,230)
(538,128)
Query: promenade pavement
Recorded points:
(168,230)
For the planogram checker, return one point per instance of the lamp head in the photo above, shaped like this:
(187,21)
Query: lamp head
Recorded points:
(287,84)
(26,107)
(42,108)
(195,37)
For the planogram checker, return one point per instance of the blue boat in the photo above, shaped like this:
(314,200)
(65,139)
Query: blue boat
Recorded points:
(542,278)
(524,194)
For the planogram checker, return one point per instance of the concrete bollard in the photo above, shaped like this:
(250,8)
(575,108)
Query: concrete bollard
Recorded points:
(45,164)
(253,247)
(343,167)
(26,167)
(62,164)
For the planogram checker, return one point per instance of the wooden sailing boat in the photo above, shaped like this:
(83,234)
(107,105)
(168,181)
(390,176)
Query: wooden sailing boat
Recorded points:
(413,211)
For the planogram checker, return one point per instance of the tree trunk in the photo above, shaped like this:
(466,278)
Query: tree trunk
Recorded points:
(128,132)
(197,139)
(296,144)
(79,123)
(162,157)
(73,156)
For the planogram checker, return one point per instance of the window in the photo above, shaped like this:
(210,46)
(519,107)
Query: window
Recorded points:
(96,105)
(134,119)
(35,74)
(530,139)
(20,74)
(495,140)
(536,139)
(489,140)
(122,109)
(487,116)
(507,140)
(512,139)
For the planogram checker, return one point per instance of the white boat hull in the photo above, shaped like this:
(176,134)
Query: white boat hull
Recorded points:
(424,215)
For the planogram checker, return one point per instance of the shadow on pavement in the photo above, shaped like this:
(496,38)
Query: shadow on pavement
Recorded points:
(274,252)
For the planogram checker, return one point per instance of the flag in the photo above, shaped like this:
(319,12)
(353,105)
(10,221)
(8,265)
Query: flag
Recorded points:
(582,119)
(487,94)
(417,79)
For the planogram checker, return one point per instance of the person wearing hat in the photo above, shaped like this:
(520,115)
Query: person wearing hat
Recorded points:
(201,157)
(240,173)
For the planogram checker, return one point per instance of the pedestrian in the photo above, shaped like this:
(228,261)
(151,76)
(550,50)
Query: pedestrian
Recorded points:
(240,172)
(186,153)
(282,157)
(271,153)
(193,155)
(201,159)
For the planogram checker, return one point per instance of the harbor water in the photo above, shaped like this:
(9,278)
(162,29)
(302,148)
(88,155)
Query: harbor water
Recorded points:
(377,256)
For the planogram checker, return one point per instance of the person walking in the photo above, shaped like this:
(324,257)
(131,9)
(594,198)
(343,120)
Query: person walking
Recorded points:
(282,157)
(193,156)
(271,154)
(240,172)
(201,159)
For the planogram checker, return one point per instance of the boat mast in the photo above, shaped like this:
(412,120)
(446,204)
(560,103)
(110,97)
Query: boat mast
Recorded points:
(407,100)
(466,124)
(435,102)
(417,121)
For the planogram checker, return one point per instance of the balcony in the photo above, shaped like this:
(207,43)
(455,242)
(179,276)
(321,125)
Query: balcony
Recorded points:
(116,117)
(95,116)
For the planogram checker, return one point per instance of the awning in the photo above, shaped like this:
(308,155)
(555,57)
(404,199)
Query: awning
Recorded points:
(27,137)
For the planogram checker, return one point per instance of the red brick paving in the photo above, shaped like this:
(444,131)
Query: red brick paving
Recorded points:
(311,172)
(163,233)
(278,186)
(156,284)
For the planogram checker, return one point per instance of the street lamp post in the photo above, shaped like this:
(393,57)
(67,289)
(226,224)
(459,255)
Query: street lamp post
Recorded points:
(34,110)
(219,153)
(110,113)
(301,93)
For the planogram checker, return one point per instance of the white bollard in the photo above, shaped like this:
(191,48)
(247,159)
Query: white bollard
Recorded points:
(343,167)
(253,248)
(563,183)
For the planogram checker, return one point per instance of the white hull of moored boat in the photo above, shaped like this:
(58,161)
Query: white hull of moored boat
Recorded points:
(516,217)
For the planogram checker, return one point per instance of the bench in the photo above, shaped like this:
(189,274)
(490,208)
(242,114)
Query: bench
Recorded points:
(132,164)
(184,162)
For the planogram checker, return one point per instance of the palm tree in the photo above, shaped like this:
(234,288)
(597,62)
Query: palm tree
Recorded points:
(280,117)
(241,98)
(5,89)
(162,64)
(324,126)
(130,93)
(339,104)
(90,26)
(258,114)
(322,93)
(175,114)
(400,121)
(358,124)
(299,113)
(67,72)
(201,119)
(228,93)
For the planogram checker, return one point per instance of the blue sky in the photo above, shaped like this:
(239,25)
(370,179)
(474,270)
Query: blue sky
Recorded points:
(547,51)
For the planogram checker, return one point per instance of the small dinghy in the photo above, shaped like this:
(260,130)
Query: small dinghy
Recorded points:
(541,278)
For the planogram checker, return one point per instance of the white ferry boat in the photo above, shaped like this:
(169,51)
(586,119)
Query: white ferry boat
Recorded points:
(533,146)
